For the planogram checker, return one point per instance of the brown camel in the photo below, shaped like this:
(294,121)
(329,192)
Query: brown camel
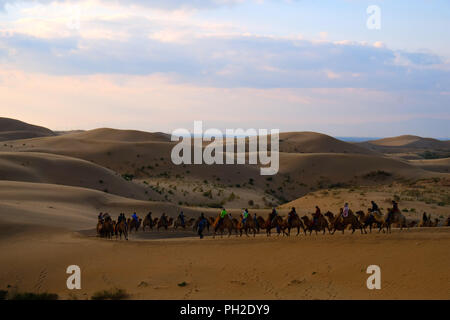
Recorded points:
(133,224)
(105,228)
(335,222)
(227,223)
(367,220)
(149,222)
(164,222)
(187,223)
(294,222)
(274,222)
(320,225)
(259,223)
(395,217)
(121,228)
(351,220)
(249,224)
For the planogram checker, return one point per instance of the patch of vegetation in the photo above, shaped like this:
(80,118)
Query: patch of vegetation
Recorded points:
(112,294)
(433,155)
(378,174)
(33,296)
(182,284)
(128,176)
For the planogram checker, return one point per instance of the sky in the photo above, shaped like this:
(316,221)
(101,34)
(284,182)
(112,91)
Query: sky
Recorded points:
(293,65)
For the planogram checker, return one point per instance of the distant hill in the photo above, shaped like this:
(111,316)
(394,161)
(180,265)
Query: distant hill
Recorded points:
(312,142)
(11,129)
(408,144)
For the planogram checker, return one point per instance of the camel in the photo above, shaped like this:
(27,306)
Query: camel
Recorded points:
(395,217)
(227,224)
(132,224)
(335,222)
(187,223)
(260,223)
(350,220)
(294,222)
(428,222)
(366,220)
(164,223)
(249,224)
(276,222)
(121,228)
(105,228)
(149,222)
(321,225)
(447,223)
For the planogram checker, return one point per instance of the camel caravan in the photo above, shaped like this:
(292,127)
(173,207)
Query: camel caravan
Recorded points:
(246,224)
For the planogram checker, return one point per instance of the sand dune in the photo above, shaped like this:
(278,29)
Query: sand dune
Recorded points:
(408,144)
(70,208)
(57,169)
(108,134)
(438,165)
(11,129)
(312,142)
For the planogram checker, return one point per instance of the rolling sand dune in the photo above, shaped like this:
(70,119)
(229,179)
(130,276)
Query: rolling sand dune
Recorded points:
(107,134)
(438,165)
(312,142)
(407,144)
(71,208)
(56,169)
(11,129)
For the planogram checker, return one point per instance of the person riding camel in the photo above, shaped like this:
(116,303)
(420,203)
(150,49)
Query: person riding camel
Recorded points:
(164,219)
(345,211)
(100,217)
(244,216)
(135,217)
(292,214)
(374,208)
(223,214)
(181,217)
(395,207)
(273,215)
(316,215)
(122,218)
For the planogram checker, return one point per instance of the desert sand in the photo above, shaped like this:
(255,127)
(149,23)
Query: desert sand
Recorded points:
(52,187)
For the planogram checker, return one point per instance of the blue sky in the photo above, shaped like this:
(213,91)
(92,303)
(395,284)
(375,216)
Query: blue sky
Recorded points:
(292,65)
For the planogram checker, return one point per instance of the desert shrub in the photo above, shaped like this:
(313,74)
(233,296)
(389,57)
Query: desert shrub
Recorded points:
(378,174)
(33,296)
(208,194)
(112,294)
(128,176)
(251,202)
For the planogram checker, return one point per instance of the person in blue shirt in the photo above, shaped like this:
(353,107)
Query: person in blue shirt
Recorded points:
(181,216)
(201,225)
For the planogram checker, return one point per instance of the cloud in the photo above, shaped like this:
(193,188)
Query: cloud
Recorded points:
(230,61)
(156,103)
